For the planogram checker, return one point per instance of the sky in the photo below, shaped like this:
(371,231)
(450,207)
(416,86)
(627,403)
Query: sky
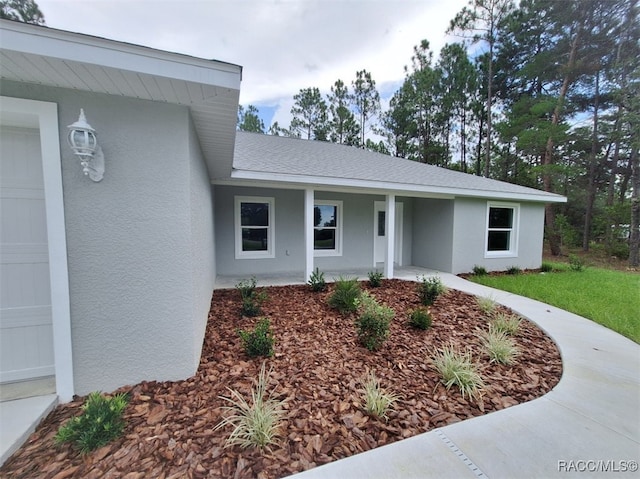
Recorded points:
(282,45)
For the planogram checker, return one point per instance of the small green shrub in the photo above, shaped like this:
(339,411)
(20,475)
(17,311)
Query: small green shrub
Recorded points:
(514,270)
(247,287)
(345,295)
(486,304)
(255,423)
(500,347)
(505,323)
(457,369)
(377,400)
(420,318)
(251,299)
(258,342)
(316,281)
(375,278)
(373,322)
(576,263)
(546,267)
(100,422)
(479,270)
(429,289)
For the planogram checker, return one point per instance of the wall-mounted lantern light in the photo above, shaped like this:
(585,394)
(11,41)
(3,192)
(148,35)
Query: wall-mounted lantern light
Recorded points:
(84,143)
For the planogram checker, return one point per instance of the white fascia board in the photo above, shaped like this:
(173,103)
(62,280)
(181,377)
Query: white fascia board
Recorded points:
(44,41)
(400,188)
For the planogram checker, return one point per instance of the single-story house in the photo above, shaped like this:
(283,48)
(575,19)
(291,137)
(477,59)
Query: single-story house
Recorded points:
(106,277)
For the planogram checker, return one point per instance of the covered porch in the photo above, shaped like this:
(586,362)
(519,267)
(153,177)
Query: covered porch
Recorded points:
(409,273)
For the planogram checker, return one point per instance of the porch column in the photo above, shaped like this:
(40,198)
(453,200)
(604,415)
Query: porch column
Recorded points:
(390,228)
(308,233)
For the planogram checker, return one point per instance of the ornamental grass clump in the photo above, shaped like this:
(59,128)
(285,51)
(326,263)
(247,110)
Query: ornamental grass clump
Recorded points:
(259,341)
(373,322)
(486,304)
(420,318)
(479,270)
(100,422)
(499,346)
(429,288)
(255,422)
(345,295)
(457,369)
(505,323)
(377,401)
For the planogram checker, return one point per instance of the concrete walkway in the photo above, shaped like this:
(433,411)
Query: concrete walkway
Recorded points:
(590,422)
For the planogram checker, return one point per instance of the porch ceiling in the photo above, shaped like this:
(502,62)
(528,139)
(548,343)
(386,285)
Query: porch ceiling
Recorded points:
(211,89)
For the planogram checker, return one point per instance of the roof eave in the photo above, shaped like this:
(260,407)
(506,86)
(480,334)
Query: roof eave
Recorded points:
(64,45)
(386,187)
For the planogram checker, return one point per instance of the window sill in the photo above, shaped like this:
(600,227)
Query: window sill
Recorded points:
(500,254)
(255,256)
(323,253)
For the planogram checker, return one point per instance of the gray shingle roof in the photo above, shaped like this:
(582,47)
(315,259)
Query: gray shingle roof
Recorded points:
(296,158)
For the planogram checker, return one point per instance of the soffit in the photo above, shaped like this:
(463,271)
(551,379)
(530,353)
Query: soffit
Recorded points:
(211,89)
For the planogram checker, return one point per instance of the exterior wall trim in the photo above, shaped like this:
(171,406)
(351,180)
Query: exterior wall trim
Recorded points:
(45,117)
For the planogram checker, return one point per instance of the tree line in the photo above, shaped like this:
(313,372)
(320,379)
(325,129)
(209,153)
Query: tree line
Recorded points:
(544,94)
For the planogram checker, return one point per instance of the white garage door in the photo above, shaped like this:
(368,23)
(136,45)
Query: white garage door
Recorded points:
(26,343)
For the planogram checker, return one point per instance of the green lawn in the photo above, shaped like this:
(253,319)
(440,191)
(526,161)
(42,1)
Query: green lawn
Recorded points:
(611,298)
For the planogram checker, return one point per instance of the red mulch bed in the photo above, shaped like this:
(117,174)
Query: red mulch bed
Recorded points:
(317,366)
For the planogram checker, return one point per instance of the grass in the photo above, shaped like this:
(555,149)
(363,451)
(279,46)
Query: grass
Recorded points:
(255,422)
(610,298)
(457,368)
(499,346)
(377,400)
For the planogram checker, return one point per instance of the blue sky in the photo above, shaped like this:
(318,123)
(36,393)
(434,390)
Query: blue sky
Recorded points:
(282,45)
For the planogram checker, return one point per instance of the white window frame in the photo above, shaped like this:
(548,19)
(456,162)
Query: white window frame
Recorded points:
(337,251)
(513,237)
(271,237)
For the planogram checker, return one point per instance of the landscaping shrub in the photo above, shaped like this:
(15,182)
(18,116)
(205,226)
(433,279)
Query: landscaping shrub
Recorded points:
(258,342)
(251,299)
(429,289)
(479,270)
(255,423)
(377,400)
(420,318)
(345,295)
(500,347)
(316,281)
(100,422)
(486,304)
(373,322)
(505,323)
(514,270)
(576,263)
(456,368)
(375,279)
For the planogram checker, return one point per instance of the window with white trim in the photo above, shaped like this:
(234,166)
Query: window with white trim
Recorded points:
(254,227)
(502,222)
(327,228)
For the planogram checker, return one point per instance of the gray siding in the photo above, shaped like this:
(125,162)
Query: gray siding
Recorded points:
(470,229)
(139,242)
(433,233)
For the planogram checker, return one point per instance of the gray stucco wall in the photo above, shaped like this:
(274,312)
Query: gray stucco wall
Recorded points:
(469,237)
(433,233)
(202,243)
(357,247)
(139,242)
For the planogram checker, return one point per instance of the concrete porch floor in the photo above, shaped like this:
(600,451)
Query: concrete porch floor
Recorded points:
(400,272)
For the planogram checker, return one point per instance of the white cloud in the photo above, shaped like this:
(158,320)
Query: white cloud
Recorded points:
(282,45)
